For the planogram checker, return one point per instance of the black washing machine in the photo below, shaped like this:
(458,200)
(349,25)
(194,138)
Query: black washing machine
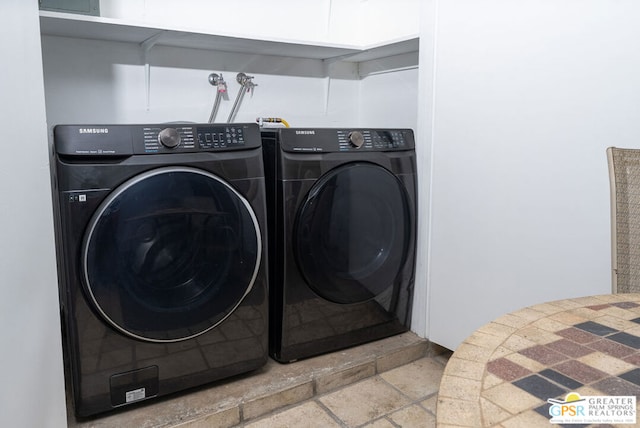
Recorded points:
(162,257)
(342,237)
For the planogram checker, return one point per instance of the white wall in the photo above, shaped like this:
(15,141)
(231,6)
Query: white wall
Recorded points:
(528,95)
(370,22)
(389,100)
(275,19)
(32,388)
(382,20)
(348,22)
(89,81)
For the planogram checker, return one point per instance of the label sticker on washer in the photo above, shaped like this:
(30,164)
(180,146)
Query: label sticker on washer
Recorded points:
(135,395)
(77,198)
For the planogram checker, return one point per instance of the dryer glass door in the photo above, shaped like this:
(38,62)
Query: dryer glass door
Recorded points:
(352,233)
(170,254)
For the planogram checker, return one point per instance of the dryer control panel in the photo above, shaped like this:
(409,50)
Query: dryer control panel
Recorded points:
(345,140)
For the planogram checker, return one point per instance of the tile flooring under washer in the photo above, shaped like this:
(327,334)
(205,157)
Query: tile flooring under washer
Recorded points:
(389,383)
(402,397)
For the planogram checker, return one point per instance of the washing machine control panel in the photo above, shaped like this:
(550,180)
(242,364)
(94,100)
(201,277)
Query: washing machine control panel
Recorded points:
(126,140)
(193,138)
(198,138)
(346,140)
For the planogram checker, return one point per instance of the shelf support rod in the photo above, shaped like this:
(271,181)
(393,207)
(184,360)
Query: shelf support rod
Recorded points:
(146,47)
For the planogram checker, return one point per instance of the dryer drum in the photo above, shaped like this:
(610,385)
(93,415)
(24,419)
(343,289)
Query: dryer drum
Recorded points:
(168,255)
(351,234)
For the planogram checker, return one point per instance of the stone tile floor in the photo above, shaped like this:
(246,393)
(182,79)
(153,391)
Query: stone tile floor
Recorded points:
(402,397)
(388,383)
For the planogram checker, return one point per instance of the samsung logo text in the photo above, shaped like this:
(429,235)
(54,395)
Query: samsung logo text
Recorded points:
(93,130)
(305,132)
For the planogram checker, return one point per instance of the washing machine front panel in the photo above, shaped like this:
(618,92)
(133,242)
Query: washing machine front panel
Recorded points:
(352,233)
(170,254)
(140,227)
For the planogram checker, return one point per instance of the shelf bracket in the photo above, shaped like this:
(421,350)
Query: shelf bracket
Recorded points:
(146,46)
(342,57)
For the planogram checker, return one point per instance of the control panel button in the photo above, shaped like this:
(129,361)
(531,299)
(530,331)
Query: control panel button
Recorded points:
(169,137)
(356,139)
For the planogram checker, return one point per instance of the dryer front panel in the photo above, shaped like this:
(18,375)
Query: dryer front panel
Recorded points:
(170,253)
(352,234)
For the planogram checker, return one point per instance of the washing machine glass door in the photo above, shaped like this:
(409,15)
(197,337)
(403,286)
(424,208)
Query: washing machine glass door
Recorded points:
(352,233)
(170,254)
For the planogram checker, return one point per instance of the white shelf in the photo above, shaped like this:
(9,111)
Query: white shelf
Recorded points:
(385,50)
(99,28)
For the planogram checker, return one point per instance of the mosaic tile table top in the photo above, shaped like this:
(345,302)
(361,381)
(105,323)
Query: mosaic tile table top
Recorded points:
(504,373)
